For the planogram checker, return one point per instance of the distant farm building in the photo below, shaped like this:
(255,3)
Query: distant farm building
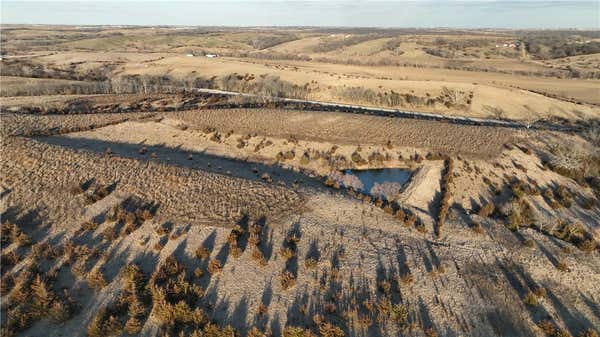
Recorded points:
(508,45)
(202,54)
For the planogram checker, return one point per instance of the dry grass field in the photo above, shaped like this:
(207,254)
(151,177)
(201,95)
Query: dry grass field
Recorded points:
(132,204)
(484,63)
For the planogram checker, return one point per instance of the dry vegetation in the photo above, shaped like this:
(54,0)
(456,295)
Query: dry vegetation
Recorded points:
(340,128)
(148,209)
(408,69)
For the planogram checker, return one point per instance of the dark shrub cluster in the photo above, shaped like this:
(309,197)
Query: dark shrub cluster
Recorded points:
(10,232)
(131,213)
(175,297)
(107,322)
(576,234)
(333,44)
(32,299)
(254,239)
(357,158)
(99,193)
(289,252)
(448,98)
(265,85)
(233,240)
(446,186)
(486,210)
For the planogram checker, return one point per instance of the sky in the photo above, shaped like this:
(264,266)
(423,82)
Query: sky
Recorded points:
(337,13)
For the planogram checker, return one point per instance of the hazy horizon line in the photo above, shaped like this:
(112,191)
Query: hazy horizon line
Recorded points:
(304,27)
(426,14)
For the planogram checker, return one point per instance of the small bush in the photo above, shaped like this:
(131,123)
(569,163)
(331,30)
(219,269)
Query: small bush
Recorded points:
(293,331)
(163,229)
(563,196)
(202,253)
(531,300)
(477,228)
(105,324)
(407,278)
(287,280)
(487,209)
(588,245)
(133,326)
(9,259)
(262,310)
(562,266)
(400,314)
(98,194)
(10,233)
(96,280)
(430,332)
(400,215)
(287,253)
(109,234)
(214,266)
(330,330)
(89,226)
(41,297)
(411,220)
(305,159)
(158,246)
(310,263)
(212,330)
(7,283)
(255,332)
(358,159)
(61,311)
(540,292)
(258,256)
(529,243)
(170,315)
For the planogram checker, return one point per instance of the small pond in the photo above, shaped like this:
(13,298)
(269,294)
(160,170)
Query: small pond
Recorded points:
(386,183)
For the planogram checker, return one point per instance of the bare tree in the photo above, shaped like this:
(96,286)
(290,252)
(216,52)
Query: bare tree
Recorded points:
(495,111)
(531,120)
(570,159)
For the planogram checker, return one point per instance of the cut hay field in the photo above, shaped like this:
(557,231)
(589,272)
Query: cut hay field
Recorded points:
(518,83)
(491,90)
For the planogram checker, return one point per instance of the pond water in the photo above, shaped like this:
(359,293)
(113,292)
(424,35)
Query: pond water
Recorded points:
(386,183)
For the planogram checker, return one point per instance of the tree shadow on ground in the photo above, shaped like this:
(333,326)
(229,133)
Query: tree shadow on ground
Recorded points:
(261,319)
(575,321)
(201,160)
(523,286)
